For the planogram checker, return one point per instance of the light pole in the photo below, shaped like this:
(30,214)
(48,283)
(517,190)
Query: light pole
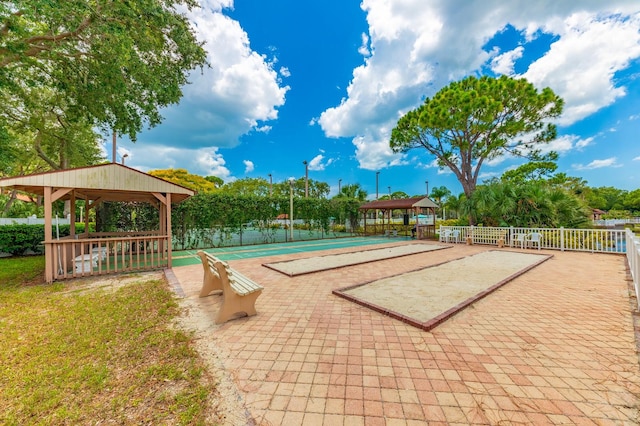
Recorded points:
(113,147)
(427,182)
(339,180)
(123,157)
(270,184)
(389,191)
(377,174)
(306,179)
(291,208)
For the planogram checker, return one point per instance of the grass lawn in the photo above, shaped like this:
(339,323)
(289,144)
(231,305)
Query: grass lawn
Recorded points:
(71,355)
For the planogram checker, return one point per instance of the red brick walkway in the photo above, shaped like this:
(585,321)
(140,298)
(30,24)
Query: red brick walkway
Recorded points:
(554,346)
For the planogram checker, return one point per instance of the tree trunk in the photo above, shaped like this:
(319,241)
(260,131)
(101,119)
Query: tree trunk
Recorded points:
(7,206)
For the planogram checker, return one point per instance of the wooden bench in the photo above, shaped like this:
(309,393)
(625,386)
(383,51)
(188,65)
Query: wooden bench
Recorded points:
(239,293)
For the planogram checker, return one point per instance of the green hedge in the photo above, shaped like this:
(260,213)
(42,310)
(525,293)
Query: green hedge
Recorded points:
(17,239)
(232,212)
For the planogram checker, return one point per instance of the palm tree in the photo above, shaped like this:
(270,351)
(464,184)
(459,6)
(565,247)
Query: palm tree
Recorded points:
(454,204)
(438,193)
(353,190)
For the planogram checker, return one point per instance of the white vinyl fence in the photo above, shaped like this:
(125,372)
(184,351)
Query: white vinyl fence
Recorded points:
(31,221)
(616,241)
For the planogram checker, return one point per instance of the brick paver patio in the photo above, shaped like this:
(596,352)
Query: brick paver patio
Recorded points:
(554,346)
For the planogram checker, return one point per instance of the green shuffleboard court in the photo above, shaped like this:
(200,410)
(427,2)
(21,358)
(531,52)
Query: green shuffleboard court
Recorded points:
(189,257)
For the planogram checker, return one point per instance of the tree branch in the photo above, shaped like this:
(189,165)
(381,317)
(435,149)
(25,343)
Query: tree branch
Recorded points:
(42,43)
(41,153)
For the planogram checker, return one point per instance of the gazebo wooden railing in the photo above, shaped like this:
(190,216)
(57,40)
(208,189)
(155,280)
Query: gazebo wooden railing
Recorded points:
(104,253)
(96,253)
(415,205)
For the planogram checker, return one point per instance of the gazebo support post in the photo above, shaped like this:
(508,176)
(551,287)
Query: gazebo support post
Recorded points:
(72,214)
(48,252)
(168,232)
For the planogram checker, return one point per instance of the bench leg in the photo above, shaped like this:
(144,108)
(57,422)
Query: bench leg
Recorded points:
(233,304)
(209,284)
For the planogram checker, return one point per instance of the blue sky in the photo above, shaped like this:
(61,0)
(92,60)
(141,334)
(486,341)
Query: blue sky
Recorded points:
(327,81)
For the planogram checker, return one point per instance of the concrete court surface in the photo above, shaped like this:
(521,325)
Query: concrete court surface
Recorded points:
(554,346)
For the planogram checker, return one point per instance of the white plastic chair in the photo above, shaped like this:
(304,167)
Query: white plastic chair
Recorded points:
(534,238)
(451,235)
(520,239)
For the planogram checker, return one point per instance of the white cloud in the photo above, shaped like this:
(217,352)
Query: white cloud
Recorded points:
(364,47)
(418,47)
(317,163)
(582,143)
(217,108)
(284,71)
(566,143)
(202,161)
(597,164)
(580,66)
(504,63)
(263,129)
(248,166)
(212,163)
(637,158)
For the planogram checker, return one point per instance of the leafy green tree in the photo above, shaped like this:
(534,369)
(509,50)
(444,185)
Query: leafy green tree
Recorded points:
(184,178)
(8,152)
(454,204)
(572,184)
(260,187)
(438,193)
(398,195)
(317,189)
(526,204)
(479,119)
(531,171)
(353,190)
(247,187)
(632,201)
(606,198)
(113,64)
(218,182)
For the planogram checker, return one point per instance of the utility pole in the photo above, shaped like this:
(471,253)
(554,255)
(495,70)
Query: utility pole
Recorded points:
(113,147)
(306,179)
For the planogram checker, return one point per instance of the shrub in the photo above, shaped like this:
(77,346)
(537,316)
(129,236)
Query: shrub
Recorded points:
(17,239)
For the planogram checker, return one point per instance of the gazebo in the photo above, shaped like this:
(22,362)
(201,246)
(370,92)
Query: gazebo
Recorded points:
(416,205)
(94,253)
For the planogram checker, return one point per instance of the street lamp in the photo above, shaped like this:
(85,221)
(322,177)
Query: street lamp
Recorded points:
(123,157)
(389,191)
(377,174)
(270,184)
(427,182)
(339,180)
(291,208)
(306,179)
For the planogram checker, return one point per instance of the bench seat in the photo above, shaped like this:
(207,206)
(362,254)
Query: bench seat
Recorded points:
(239,293)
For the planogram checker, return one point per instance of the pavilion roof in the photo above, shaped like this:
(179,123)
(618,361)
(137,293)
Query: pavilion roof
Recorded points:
(400,203)
(108,182)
